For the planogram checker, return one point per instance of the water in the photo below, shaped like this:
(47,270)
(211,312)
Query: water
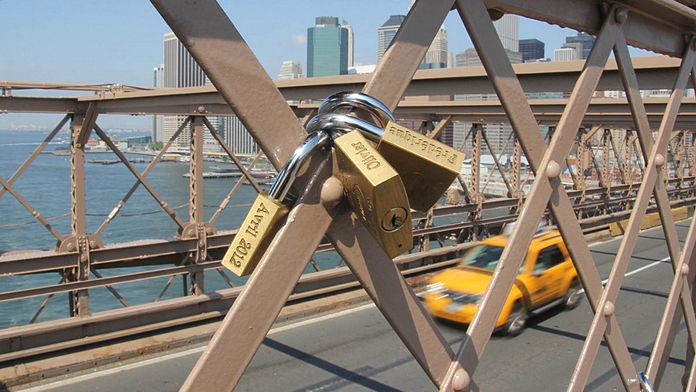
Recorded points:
(46,186)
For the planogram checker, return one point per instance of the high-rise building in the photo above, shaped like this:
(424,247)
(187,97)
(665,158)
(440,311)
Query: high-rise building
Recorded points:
(238,137)
(585,40)
(327,48)
(508,29)
(386,33)
(436,56)
(531,49)
(182,70)
(290,70)
(565,54)
(470,58)
(158,120)
(351,47)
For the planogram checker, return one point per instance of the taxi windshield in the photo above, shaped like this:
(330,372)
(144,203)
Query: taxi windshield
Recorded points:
(483,256)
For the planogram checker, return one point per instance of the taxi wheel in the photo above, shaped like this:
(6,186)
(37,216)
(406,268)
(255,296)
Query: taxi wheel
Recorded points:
(517,320)
(573,295)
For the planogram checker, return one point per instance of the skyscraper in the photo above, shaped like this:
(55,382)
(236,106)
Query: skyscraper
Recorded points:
(182,70)
(290,70)
(386,33)
(351,49)
(531,49)
(327,48)
(508,29)
(584,39)
(566,54)
(238,137)
(158,120)
(436,56)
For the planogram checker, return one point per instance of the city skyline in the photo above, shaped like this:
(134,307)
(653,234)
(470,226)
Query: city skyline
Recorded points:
(124,43)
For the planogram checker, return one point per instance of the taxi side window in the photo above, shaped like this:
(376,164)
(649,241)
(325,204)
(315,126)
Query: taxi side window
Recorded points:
(548,257)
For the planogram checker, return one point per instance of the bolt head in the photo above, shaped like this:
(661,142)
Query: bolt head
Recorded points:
(659,160)
(553,170)
(200,109)
(620,15)
(461,380)
(684,269)
(609,308)
(71,246)
(331,192)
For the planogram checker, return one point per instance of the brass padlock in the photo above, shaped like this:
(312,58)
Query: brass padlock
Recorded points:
(261,222)
(375,191)
(427,166)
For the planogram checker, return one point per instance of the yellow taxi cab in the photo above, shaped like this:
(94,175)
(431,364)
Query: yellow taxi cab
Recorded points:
(547,277)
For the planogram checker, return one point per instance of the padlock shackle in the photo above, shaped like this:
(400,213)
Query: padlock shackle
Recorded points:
(288,173)
(352,99)
(337,124)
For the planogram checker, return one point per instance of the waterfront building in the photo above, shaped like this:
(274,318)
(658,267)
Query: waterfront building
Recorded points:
(290,70)
(386,33)
(531,49)
(158,119)
(238,138)
(327,48)
(586,42)
(182,70)
(362,69)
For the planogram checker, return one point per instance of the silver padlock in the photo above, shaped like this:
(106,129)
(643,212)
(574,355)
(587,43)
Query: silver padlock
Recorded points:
(261,223)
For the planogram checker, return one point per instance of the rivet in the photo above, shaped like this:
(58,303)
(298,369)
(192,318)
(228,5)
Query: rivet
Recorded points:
(92,243)
(609,308)
(659,160)
(209,230)
(71,246)
(331,192)
(200,109)
(553,169)
(461,380)
(684,269)
(620,15)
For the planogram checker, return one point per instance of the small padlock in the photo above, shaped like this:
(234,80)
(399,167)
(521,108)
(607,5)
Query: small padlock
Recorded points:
(427,166)
(260,224)
(375,191)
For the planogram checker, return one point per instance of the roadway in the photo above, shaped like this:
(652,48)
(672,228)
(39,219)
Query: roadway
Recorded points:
(355,349)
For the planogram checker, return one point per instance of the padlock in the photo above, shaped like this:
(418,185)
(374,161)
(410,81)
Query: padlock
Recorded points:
(261,222)
(427,166)
(375,192)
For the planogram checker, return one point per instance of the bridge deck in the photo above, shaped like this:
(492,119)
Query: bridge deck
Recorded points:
(356,349)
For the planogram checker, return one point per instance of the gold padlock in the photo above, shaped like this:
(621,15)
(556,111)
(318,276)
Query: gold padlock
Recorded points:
(254,235)
(375,191)
(427,166)
(261,222)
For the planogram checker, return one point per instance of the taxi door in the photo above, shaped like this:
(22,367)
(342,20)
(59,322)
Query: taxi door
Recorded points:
(546,275)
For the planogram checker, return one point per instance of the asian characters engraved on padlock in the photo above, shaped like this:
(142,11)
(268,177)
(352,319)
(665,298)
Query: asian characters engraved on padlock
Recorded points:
(375,192)
(254,235)
(427,166)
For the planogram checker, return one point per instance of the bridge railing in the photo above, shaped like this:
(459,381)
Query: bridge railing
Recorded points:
(610,168)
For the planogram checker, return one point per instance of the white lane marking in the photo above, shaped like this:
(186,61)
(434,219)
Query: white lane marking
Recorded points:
(298,324)
(637,270)
(123,368)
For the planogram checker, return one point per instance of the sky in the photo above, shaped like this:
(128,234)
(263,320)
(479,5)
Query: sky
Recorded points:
(100,41)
